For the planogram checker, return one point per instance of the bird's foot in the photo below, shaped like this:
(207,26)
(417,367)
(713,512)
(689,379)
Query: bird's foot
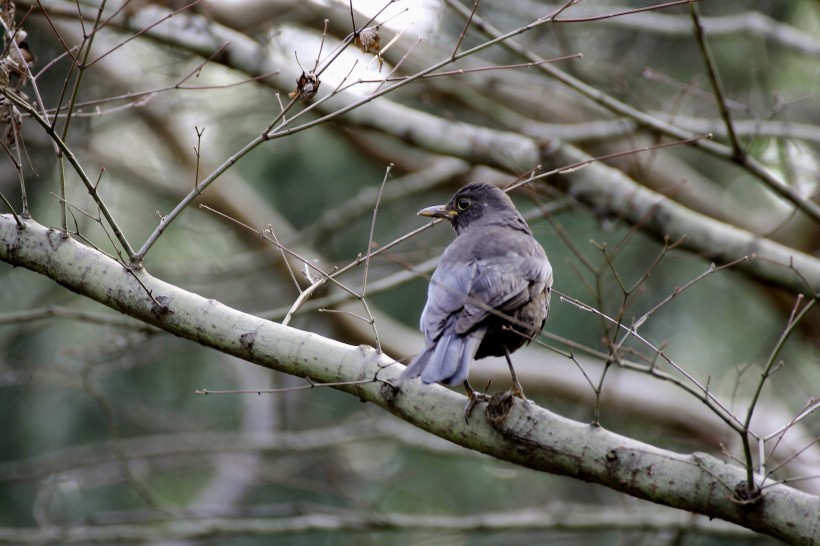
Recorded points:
(518,391)
(474,398)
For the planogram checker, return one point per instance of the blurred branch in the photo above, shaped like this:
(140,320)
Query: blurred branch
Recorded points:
(16,318)
(642,118)
(503,150)
(471,142)
(185,445)
(716,81)
(751,128)
(207,525)
(748,25)
(514,152)
(331,221)
(606,189)
(752,24)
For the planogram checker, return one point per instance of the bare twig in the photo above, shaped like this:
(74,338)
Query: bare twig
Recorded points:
(622,13)
(311,385)
(136,34)
(264,234)
(90,187)
(11,209)
(714,77)
(281,248)
(80,65)
(768,369)
(57,311)
(466,27)
(677,292)
(461,71)
(370,246)
(303,296)
(807,206)
(197,149)
(705,393)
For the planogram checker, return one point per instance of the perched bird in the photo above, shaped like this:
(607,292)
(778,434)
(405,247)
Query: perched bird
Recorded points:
(490,293)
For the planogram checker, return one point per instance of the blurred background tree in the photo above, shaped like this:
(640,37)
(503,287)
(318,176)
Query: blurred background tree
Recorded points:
(604,110)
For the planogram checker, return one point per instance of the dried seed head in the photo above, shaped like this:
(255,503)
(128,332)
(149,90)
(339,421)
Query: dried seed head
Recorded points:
(7,13)
(370,41)
(306,86)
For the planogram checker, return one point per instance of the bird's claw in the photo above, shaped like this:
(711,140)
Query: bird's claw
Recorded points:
(518,391)
(474,398)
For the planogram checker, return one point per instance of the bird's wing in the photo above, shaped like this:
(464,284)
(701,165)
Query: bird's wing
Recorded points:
(448,290)
(504,276)
(478,272)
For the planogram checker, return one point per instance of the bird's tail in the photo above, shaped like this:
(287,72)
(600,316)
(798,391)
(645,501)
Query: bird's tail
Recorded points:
(448,361)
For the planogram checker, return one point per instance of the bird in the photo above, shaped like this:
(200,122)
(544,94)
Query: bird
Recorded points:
(489,294)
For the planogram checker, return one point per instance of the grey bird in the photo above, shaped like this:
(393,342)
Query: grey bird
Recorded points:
(490,293)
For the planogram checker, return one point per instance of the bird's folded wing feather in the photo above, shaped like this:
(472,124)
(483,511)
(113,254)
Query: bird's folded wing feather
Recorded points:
(501,285)
(464,288)
(446,295)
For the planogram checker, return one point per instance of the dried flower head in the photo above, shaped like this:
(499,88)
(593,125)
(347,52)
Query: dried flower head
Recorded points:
(306,86)
(7,13)
(370,41)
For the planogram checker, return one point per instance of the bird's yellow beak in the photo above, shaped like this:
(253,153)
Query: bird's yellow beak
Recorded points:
(438,211)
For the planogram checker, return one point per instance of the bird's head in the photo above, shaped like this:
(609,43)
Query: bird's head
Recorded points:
(475,203)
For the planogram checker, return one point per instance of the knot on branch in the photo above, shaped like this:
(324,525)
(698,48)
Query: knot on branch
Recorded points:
(499,407)
(747,496)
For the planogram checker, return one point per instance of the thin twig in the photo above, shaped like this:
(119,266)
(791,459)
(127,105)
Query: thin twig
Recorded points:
(792,457)
(724,413)
(647,120)
(303,296)
(311,385)
(677,291)
(812,406)
(197,150)
(281,248)
(81,65)
(18,164)
(140,32)
(606,16)
(370,245)
(20,224)
(464,30)
(714,78)
(399,63)
(585,163)
(262,233)
(90,187)
(792,323)
(462,71)
(140,98)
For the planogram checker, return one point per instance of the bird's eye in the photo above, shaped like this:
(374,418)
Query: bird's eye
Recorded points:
(463,203)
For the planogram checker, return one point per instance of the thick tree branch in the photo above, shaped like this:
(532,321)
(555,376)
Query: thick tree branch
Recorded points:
(521,433)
